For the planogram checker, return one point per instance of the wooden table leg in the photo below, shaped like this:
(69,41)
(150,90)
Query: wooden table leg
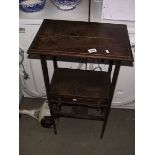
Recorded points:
(47,86)
(105,121)
(55,62)
(111,93)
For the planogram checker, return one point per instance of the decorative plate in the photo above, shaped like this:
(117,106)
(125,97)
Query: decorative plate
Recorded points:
(31,5)
(66,4)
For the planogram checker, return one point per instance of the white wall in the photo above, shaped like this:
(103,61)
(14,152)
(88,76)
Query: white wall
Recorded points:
(119,10)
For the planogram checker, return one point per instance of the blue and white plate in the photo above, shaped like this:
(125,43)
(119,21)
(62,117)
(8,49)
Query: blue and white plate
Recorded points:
(31,5)
(65,4)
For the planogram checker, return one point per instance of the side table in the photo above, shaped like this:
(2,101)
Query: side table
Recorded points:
(75,87)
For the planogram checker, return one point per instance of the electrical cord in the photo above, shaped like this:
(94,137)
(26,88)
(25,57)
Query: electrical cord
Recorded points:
(26,90)
(21,52)
(98,67)
(24,76)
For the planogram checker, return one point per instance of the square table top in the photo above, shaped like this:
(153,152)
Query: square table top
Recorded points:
(75,38)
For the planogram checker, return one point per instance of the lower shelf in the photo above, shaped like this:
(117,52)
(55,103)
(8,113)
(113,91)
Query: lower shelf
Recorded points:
(79,116)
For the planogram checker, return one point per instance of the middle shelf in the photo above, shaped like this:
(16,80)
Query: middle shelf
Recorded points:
(80,85)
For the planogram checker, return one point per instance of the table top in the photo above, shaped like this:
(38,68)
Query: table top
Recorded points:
(74,39)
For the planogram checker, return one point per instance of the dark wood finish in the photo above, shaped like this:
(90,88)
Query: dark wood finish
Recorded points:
(80,102)
(83,88)
(73,39)
(46,80)
(86,63)
(55,62)
(110,66)
(112,89)
(45,73)
(79,83)
(81,110)
(79,116)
